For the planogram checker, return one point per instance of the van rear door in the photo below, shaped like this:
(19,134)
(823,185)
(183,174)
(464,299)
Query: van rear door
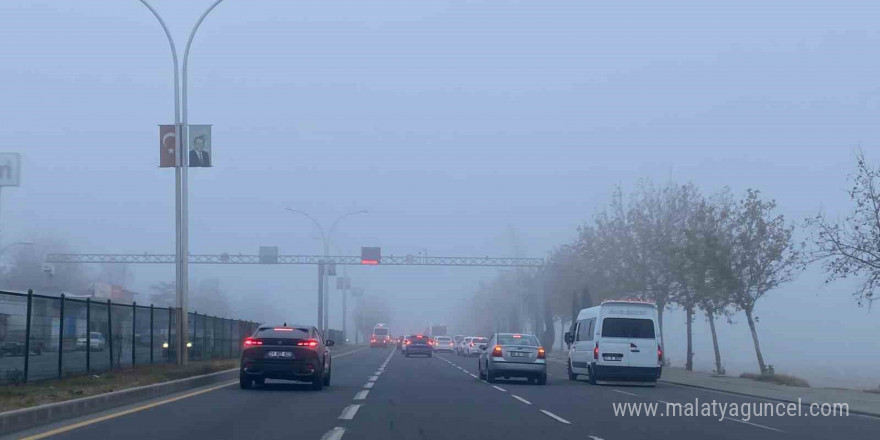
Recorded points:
(628,342)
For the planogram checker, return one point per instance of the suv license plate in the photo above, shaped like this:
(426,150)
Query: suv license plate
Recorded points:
(280,354)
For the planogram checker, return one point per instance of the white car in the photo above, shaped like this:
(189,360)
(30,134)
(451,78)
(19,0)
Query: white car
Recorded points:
(95,341)
(473,346)
(444,343)
(616,341)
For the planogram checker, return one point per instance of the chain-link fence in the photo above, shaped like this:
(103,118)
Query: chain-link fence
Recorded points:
(43,337)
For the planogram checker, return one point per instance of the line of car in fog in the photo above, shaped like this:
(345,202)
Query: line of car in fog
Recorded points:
(614,341)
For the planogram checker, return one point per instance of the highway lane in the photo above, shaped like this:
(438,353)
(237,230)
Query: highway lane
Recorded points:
(380,394)
(277,411)
(582,403)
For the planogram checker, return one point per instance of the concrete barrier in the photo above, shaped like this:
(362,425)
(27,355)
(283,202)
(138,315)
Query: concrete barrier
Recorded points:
(26,418)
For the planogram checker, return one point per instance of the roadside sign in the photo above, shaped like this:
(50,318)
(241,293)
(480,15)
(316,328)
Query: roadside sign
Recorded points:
(331,269)
(268,254)
(10,169)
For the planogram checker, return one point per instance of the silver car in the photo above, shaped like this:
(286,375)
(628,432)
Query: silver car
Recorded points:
(513,355)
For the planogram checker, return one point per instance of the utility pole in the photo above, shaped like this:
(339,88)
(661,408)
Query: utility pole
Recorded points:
(181,180)
(323,297)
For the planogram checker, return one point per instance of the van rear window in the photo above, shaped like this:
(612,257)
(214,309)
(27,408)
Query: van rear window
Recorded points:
(628,328)
(380,332)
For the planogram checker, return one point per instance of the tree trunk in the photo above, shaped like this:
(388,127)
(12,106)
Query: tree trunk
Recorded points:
(689,364)
(755,340)
(660,307)
(549,327)
(718,369)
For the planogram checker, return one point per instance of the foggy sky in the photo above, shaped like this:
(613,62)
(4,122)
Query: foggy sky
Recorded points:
(451,122)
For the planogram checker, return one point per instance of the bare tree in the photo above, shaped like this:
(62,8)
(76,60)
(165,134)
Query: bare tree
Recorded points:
(851,247)
(763,257)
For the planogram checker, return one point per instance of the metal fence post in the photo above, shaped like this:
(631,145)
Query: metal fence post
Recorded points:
(133,332)
(27,334)
(61,336)
(152,335)
(110,329)
(88,334)
(195,333)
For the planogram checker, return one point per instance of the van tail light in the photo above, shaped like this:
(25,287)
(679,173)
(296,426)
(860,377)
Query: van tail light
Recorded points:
(541,353)
(252,342)
(659,354)
(596,352)
(496,352)
(308,343)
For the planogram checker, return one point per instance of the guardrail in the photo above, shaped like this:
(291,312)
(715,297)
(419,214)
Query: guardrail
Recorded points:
(48,337)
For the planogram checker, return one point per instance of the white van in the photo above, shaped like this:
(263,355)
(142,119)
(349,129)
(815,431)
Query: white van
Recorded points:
(616,341)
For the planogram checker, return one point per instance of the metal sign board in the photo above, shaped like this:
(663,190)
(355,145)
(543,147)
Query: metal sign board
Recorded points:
(331,269)
(268,254)
(10,169)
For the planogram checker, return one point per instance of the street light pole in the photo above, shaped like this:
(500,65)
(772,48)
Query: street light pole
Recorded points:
(181,180)
(323,297)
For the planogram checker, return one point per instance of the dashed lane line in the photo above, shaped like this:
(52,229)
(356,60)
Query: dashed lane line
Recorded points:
(521,399)
(369,385)
(349,412)
(499,388)
(555,417)
(361,395)
(374,378)
(755,424)
(624,392)
(334,434)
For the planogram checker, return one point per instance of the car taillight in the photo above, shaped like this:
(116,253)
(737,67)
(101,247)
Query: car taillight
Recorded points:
(659,354)
(450,343)
(308,343)
(596,351)
(472,344)
(541,353)
(407,342)
(497,351)
(250,342)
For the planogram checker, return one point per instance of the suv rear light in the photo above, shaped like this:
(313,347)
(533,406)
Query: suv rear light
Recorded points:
(541,353)
(250,342)
(308,343)
(496,352)
(659,354)
(596,351)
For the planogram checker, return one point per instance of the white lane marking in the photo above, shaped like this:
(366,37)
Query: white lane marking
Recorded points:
(595,438)
(481,380)
(374,378)
(346,353)
(361,395)
(474,376)
(333,434)
(755,424)
(499,388)
(521,399)
(624,392)
(369,385)
(349,412)
(554,416)
(664,402)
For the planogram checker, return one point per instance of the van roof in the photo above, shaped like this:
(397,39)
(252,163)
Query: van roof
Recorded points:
(597,310)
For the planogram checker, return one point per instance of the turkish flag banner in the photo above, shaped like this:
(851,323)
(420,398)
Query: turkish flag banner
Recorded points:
(167,146)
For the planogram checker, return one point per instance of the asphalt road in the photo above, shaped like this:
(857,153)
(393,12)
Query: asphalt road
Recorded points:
(380,394)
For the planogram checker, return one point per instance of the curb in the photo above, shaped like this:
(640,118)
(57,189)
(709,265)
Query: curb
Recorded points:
(26,418)
(775,399)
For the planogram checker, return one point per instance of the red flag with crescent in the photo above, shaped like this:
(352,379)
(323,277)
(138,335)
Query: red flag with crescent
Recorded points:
(167,146)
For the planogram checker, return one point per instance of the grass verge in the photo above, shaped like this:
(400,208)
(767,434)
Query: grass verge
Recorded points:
(50,391)
(779,379)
